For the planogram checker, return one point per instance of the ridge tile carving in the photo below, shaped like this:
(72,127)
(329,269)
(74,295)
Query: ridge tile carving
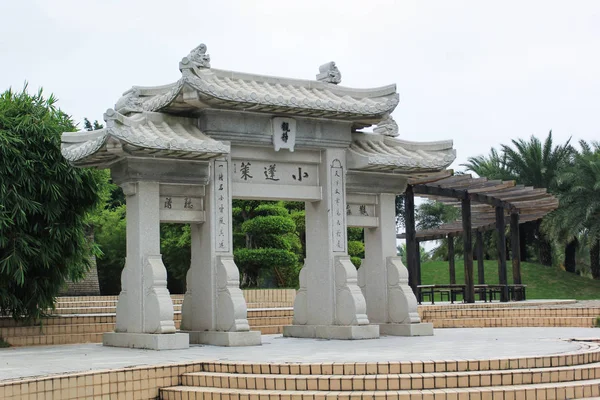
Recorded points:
(329,73)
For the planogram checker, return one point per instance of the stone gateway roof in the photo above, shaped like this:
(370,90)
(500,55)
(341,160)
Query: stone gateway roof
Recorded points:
(203,87)
(162,121)
(379,153)
(143,134)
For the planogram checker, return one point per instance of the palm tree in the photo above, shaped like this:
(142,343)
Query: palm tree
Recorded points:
(537,165)
(579,194)
(531,163)
(493,166)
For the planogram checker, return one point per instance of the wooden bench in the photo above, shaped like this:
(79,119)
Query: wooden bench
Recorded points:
(450,292)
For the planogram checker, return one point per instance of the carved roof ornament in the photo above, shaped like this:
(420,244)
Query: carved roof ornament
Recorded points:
(197,58)
(387,127)
(329,73)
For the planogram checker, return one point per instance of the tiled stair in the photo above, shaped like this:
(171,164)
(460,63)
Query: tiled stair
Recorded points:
(486,316)
(555,377)
(85,319)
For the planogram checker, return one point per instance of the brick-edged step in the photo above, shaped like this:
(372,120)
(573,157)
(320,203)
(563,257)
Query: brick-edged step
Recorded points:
(56,329)
(582,322)
(268,330)
(55,339)
(589,354)
(561,390)
(438,380)
(269,321)
(510,312)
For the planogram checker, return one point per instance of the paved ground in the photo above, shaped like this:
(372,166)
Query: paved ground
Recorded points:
(447,344)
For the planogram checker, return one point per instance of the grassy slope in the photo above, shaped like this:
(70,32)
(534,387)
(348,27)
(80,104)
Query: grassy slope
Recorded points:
(542,282)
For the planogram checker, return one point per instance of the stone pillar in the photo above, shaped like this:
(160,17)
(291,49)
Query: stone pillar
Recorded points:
(214,310)
(329,303)
(144,309)
(391,302)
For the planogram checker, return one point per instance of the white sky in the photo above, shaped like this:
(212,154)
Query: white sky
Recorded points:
(478,72)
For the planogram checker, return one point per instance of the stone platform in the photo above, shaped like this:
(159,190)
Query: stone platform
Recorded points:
(513,363)
(448,344)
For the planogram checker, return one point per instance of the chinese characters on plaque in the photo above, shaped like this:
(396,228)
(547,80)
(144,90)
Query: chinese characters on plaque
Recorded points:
(271,172)
(360,210)
(284,133)
(222,206)
(338,206)
(178,203)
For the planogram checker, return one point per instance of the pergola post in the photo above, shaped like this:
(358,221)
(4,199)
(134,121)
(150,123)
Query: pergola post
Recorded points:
(480,265)
(502,278)
(516,250)
(451,265)
(418,263)
(411,239)
(468,250)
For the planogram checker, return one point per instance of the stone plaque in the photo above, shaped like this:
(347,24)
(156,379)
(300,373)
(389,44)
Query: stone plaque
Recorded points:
(338,207)
(284,133)
(222,205)
(360,210)
(245,171)
(180,203)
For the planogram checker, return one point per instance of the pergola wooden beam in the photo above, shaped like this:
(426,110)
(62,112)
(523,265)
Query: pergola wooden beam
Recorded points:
(496,204)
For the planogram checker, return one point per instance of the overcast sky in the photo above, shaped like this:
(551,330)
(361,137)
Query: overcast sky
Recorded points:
(478,72)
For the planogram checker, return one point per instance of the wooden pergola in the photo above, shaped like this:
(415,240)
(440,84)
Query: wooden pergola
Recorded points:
(485,205)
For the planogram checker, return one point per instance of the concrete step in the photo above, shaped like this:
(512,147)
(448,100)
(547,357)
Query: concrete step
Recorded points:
(439,380)
(561,390)
(583,322)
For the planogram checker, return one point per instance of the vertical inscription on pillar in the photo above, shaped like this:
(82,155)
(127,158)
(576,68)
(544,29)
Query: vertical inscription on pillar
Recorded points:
(222,205)
(338,206)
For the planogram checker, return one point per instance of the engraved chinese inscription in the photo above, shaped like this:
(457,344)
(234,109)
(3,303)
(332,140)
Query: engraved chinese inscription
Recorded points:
(245,171)
(284,133)
(285,173)
(222,205)
(338,206)
(285,128)
(270,172)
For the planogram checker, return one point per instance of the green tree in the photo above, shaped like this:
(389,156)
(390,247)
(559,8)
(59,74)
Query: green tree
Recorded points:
(44,205)
(531,163)
(432,214)
(356,245)
(536,164)
(266,243)
(110,236)
(578,216)
(493,166)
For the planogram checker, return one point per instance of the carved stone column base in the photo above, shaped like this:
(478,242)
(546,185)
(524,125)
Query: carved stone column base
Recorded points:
(342,332)
(227,339)
(420,329)
(150,341)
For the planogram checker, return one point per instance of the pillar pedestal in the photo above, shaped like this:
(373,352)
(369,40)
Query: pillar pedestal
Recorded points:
(383,278)
(147,341)
(214,309)
(144,309)
(329,303)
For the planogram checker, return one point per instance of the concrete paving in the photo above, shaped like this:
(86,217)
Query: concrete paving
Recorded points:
(446,344)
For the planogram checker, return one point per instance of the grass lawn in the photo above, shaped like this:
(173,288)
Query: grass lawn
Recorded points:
(542,282)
